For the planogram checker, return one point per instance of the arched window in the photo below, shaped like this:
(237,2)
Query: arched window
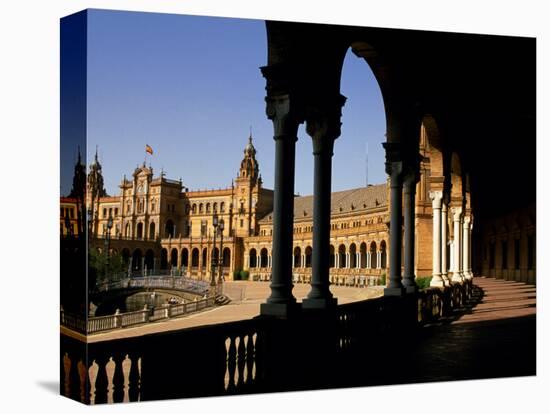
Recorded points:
(263,257)
(140,230)
(204,256)
(194,209)
(373,256)
(200,208)
(383,255)
(342,256)
(297,257)
(253,258)
(222,207)
(152,230)
(208,207)
(164,259)
(363,255)
(308,256)
(174,258)
(184,257)
(195,257)
(332,258)
(226,257)
(352,256)
(215,207)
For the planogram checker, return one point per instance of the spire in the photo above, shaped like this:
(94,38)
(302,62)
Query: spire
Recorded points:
(96,154)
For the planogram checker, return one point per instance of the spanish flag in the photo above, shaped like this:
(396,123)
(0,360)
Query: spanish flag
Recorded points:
(148,149)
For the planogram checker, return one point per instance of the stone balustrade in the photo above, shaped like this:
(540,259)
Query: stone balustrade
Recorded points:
(308,351)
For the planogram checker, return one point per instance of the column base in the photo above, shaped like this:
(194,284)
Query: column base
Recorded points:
(456,278)
(319,303)
(437,281)
(280,310)
(397,291)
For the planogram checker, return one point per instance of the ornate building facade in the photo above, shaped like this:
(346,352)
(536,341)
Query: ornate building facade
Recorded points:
(159,225)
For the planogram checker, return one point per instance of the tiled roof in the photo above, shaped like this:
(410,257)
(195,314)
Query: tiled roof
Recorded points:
(356,200)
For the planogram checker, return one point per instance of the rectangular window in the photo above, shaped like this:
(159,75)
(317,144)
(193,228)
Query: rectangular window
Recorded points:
(504,245)
(116,211)
(516,254)
(242,223)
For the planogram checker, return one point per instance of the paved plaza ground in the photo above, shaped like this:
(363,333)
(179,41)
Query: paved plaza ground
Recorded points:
(254,294)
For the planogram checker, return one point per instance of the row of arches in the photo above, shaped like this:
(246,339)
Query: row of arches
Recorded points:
(365,256)
(169,230)
(197,258)
(206,208)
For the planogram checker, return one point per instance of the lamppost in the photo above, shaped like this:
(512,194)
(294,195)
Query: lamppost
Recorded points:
(108,243)
(220,255)
(213,257)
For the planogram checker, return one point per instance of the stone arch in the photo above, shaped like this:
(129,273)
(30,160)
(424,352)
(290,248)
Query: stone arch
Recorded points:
(363,254)
(263,257)
(174,258)
(125,253)
(184,257)
(253,258)
(297,257)
(342,256)
(164,259)
(226,257)
(308,252)
(332,257)
(373,255)
(137,255)
(383,255)
(195,257)
(204,258)
(150,260)
(352,255)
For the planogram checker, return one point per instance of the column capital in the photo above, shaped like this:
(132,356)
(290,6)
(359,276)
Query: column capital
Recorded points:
(323,122)
(285,114)
(436,197)
(467,220)
(456,212)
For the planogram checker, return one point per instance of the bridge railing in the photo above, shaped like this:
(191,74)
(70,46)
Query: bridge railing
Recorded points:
(122,320)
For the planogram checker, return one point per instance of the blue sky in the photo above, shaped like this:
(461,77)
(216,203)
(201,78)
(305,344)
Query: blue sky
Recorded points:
(191,88)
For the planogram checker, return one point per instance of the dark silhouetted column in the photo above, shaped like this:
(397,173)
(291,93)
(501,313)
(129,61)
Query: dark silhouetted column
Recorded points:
(323,127)
(409,192)
(394,168)
(285,125)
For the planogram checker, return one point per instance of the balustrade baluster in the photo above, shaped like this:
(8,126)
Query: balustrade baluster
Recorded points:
(250,357)
(118,377)
(134,378)
(84,382)
(101,381)
(232,364)
(241,361)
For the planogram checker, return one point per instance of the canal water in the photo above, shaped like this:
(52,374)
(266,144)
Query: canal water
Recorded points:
(137,301)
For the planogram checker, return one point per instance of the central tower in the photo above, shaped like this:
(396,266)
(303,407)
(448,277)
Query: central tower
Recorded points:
(247,188)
